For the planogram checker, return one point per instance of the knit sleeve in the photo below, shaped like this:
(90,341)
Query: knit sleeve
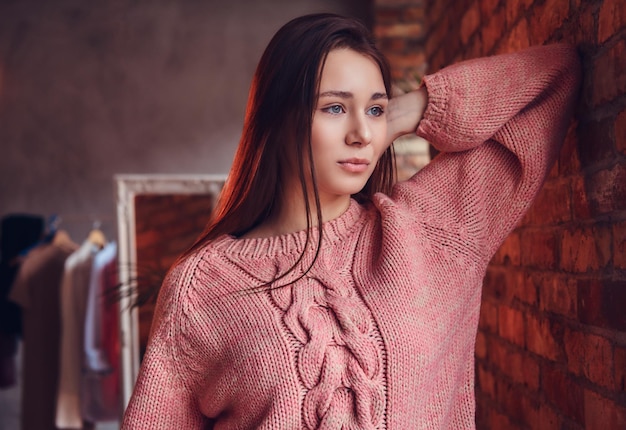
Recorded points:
(499,122)
(163,397)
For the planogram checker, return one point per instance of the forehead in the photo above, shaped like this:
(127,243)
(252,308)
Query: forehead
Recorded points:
(348,70)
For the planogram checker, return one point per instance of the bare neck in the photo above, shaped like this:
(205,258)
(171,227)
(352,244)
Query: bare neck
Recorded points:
(292,216)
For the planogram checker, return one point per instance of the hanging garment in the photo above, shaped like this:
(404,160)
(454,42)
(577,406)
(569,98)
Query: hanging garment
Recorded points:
(74,292)
(101,399)
(36,290)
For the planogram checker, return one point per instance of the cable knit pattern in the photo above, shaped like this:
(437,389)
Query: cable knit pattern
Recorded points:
(380,333)
(339,361)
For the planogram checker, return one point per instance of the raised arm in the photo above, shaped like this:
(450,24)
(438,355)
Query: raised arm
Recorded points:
(499,122)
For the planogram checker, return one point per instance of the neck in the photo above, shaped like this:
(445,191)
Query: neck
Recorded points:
(292,215)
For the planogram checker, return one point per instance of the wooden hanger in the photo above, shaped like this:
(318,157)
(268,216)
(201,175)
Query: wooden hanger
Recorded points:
(62,238)
(96,236)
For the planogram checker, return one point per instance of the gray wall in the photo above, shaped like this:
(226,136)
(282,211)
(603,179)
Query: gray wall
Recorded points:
(91,89)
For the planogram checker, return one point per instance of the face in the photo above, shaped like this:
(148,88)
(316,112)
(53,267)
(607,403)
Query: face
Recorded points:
(349,129)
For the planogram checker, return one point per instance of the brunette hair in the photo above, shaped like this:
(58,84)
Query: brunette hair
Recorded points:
(277,127)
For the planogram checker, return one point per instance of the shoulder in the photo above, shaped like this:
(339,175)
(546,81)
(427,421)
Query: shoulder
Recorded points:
(185,273)
(201,277)
(183,300)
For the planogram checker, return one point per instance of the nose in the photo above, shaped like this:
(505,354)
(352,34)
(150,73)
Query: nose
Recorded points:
(359,132)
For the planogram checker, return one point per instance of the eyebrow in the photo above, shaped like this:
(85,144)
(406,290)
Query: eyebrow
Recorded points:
(349,95)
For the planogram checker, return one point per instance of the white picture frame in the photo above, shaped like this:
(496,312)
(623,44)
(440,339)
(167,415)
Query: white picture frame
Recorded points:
(127,187)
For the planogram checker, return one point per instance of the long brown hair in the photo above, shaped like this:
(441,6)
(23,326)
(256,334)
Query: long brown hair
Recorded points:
(277,127)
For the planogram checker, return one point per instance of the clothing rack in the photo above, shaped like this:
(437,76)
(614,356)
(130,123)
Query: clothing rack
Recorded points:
(60,287)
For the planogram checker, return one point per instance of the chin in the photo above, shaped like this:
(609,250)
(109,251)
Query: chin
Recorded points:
(354,190)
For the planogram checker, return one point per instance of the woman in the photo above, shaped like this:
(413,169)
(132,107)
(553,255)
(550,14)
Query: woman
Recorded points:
(266,323)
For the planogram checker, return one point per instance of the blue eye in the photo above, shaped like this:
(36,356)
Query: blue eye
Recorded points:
(375,111)
(334,109)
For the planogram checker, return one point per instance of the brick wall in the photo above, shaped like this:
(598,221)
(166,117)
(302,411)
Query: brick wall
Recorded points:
(400,27)
(551,346)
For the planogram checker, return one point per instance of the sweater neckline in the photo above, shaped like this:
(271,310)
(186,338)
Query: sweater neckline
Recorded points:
(334,231)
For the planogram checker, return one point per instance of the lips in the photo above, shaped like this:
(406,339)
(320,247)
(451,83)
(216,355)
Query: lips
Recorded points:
(354,165)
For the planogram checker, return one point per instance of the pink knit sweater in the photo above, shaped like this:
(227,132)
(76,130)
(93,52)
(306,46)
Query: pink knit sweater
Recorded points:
(380,333)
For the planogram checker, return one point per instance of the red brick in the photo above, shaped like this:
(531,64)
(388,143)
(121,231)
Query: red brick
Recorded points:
(181,243)
(416,13)
(410,61)
(581,207)
(408,30)
(167,260)
(553,203)
(147,238)
(531,412)
(540,337)
(488,317)
(494,283)
(511,324)
(392,45)
(451,43)
(611,18)
(517,39)
(509,251)
(470,22)
(438,60)
(394,3)
(619,362)
(546,419)
(481,345)
(487,7)
(517,287)
(386,15)
(609,74)
(554,171)
(613,300)
(516,364)
(153,208)
(498,420)
(436,10)
(522,369)
(526,220)
(620,132)
(538,248)
(512,11)
(483,410)
(585,249)
(619,245)
(583,32)
(559,294)
(569,162)
(590,356)
(474,49)
(486,382)
(528,294)
(546,19)
(493,31)
(515,9)
(562,392)
(597,142)
(602,413)
(606,190)
(590,302)
(516,405)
